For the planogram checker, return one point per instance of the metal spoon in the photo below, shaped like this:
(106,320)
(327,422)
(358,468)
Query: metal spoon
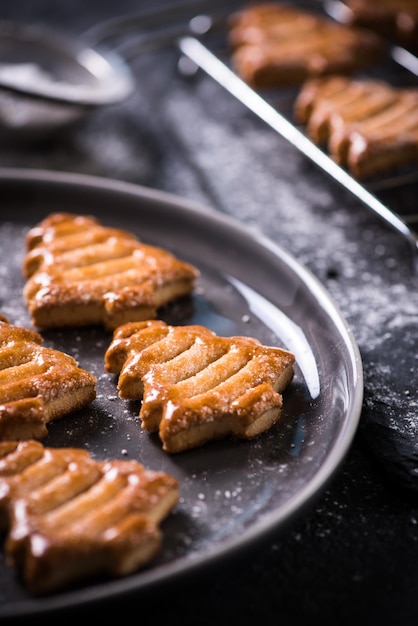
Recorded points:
(49,82)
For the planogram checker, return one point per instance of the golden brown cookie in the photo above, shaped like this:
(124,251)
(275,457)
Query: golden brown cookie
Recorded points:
(394,19)
(274,44)
(367,126)
(80,272)
(195,386)
(37,384)
(70,517)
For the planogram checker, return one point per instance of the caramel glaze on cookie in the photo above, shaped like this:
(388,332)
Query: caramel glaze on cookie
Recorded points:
(196,386)
(81,273)
(368,126)
(37,384)
(69,517)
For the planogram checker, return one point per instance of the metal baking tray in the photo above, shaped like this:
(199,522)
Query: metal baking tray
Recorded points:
(274,107)
(198,29)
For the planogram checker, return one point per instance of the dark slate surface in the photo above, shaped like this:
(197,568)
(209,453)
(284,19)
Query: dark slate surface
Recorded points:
(355,554)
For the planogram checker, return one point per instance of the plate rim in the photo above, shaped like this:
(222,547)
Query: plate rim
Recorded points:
(271,522)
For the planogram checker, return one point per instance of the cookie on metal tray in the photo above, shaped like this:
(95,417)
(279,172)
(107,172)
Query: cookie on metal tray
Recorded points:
(273,44)
(395,19)
(368,126)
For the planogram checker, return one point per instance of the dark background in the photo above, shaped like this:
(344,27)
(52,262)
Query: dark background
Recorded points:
(354,554)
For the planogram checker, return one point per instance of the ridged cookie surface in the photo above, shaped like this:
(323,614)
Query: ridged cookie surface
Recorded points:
(80,272)
(69,517)
(274,44)
(368,126)
(196,386)
(37,384)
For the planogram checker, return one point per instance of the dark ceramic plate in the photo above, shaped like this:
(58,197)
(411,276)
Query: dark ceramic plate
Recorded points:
(233,494)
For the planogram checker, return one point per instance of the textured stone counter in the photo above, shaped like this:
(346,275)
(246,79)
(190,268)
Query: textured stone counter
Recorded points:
(355,553)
